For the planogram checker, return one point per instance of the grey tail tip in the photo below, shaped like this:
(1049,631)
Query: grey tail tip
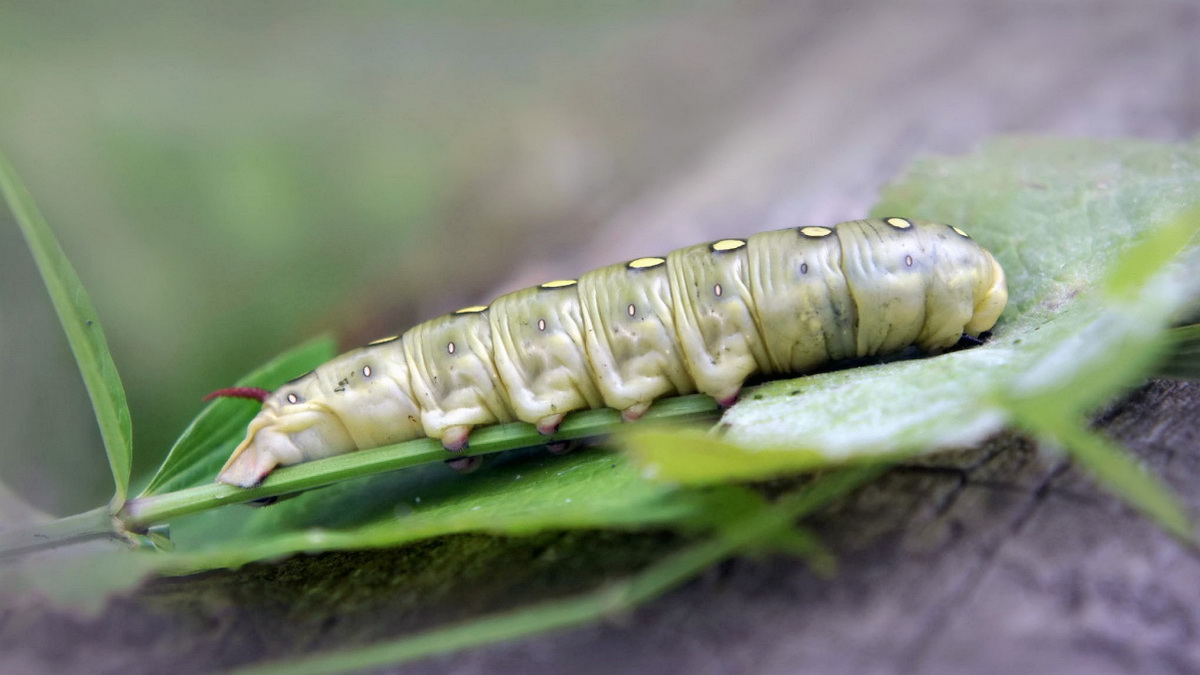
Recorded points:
(238,479)
(246,470)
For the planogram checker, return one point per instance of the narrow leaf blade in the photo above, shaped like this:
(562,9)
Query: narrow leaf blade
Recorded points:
(694,457)
(1120,472)
(81,325)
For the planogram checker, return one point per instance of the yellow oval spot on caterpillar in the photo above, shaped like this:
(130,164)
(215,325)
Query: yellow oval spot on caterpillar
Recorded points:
(643,263)
(632,310)
(814,232)
(899,223)
(541,324)
(561,283)
(383,341)
(473,309)
(728,244)
(366,371)
(718,290)
(908,260)
(960,232)
(292,398)
(450,348)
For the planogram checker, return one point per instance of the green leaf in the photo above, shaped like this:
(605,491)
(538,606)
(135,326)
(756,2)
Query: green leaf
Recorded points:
(694,457)
(81,325)
(1098,240)
(863,414)
(1146,258)
(518,494)
(210,438)
(1119,335)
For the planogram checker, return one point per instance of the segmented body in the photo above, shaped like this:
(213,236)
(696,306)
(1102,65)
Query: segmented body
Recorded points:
(704,318)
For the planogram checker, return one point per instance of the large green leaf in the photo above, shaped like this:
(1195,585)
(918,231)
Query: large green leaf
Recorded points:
(1094,238)
(518,495)
(81,325)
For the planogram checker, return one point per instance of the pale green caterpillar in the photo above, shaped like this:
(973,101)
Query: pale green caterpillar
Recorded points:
(703,319)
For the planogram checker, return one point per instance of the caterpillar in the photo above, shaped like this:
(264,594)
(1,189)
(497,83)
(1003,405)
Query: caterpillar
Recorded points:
(704,318)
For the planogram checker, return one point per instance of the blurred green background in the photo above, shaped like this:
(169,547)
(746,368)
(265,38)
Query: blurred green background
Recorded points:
(230,179)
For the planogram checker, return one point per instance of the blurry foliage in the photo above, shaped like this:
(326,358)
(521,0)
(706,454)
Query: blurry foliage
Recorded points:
(230,180)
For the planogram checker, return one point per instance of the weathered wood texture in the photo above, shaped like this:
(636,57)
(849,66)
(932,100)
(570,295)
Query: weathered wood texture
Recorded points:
(998,560)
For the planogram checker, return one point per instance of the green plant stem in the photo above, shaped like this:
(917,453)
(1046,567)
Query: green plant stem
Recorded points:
(139,514)
(142,512)
(86,526)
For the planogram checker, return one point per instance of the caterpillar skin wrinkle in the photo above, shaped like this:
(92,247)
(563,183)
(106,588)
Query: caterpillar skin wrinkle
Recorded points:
(704,318)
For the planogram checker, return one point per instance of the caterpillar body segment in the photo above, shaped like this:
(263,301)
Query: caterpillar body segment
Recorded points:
(704,318)
(631,337)
(805,302)
(541,358)
(714,317)
(454,379)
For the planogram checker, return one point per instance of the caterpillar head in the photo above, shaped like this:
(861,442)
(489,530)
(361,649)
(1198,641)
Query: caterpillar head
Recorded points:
(295,425)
